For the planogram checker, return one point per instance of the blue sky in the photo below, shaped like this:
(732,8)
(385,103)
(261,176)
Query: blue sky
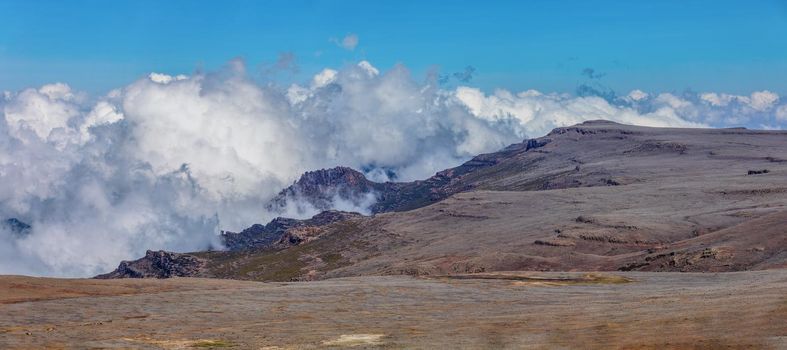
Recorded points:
(730,46)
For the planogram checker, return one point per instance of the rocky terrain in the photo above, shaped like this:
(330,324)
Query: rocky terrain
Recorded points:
(595,196)
(282,232)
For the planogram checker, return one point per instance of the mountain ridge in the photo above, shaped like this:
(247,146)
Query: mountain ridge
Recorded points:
(593,196)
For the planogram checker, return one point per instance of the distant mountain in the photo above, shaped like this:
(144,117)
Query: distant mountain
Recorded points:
(593,196)
(319,188)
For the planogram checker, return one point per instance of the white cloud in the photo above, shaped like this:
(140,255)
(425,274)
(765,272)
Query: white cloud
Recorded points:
(673,101)
(781,113)
(759,100)
(168,161)
(325,77)
(536,114)
(763,100)
(718,100)
(637,95)
(103,113)
(164,78)
(40,111)
(350,41)
(369,68)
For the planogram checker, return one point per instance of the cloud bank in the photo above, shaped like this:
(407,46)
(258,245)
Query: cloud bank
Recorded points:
(168,161)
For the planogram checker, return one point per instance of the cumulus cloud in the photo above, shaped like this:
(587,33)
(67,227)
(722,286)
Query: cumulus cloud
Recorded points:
(781,113)
(637,95)
(41,110)
(759,100)
(89,201)
(763,100)
(168,161)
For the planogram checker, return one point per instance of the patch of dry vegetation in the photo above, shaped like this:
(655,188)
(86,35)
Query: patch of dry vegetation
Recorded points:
(533,279)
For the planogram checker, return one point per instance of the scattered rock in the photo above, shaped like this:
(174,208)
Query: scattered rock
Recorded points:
(659,147)
(632,266)
(585,220)
(704,260)
(555,242)
(536,143)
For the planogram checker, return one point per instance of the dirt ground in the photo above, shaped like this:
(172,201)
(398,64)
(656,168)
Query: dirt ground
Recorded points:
(499,310)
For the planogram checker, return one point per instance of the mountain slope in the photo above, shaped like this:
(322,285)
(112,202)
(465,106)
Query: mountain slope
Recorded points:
(482,172)
(595,196)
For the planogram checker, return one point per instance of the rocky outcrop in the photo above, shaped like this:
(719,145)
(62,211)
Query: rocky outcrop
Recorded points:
(298,235)
(158,264)
(321,187)
(257,236)
(536,143)
(266,236)
(716,259)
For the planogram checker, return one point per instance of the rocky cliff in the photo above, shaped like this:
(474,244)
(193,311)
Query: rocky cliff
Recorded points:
(158,264)
(270,235)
